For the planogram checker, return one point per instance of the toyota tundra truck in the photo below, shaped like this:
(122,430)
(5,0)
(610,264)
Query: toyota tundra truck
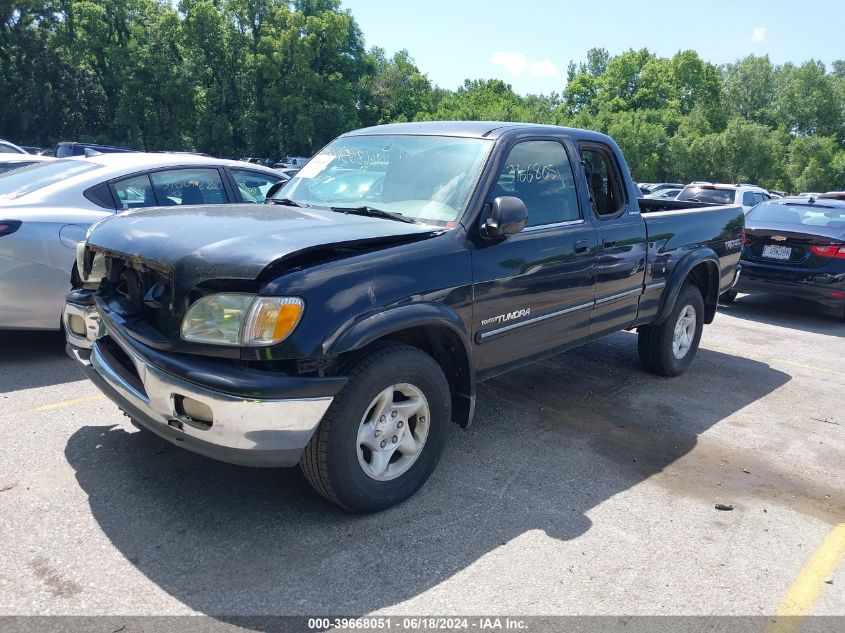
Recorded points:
(342,325)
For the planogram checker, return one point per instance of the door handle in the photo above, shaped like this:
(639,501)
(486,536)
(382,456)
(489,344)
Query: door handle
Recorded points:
(608,243)
(582,246)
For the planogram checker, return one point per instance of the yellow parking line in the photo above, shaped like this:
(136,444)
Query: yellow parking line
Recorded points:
(804,592)
(56,405)
(68,403)
(796,364)
(783,361)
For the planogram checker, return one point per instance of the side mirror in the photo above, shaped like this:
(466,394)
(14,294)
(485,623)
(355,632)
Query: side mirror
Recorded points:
(274,189)
(507,217)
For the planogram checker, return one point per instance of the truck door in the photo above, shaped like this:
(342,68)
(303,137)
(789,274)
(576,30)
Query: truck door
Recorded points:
(622,243)
(534,290)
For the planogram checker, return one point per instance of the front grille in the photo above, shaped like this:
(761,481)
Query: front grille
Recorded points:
(143,297)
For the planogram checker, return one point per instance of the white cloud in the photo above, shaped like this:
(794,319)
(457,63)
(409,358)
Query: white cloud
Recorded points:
(545,67)
(514,63)
(518,64)
(758,34)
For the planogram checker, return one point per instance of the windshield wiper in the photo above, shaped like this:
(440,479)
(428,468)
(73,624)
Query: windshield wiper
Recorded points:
(288,202)
(375,213)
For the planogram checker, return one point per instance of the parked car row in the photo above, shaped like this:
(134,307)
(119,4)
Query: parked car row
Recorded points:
(286,162)
(743,194)
(66,149)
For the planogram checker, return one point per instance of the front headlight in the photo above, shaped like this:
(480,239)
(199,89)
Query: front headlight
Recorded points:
(241,319)
(98,265)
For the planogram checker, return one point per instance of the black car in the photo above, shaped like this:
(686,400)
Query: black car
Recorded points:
(795,246)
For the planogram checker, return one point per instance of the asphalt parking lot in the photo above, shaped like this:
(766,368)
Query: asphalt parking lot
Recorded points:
(585,486)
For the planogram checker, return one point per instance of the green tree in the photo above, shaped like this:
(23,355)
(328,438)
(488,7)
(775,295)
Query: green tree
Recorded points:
(750,89)
(393,89)
(806,101)
(815,164)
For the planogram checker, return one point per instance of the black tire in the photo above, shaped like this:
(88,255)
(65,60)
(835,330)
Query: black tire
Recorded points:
(655,341)
(729,296)
(330,461)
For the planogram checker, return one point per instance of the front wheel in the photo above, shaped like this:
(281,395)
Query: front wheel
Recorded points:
(669,347)
(382,436)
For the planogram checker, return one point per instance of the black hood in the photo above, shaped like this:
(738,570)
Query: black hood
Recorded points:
(239,241)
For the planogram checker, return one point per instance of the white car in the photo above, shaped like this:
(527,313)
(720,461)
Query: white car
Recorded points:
(746,196)
(8,162)
(7,147)
(47,207)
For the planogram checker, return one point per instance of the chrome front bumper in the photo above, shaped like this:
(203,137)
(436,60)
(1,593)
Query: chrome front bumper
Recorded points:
(247,431)
(82,325)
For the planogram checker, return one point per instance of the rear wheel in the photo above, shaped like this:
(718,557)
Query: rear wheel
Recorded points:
(383,434)
(669,347)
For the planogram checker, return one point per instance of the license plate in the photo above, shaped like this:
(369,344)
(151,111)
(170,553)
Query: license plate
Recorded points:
(774,251)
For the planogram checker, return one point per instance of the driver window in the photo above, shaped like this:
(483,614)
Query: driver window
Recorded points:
(539,173)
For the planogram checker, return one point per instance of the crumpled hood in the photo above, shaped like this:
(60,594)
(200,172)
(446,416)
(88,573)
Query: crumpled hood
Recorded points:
(237,241)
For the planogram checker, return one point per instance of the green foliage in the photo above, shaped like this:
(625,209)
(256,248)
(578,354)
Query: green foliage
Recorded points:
(393,90)
(274,77)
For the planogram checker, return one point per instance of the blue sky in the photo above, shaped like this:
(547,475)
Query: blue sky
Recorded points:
(529,43)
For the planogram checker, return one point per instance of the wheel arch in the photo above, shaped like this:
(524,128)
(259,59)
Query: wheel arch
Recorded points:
(433,328)
(701,269)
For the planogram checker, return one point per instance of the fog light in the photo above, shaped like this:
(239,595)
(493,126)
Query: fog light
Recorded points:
(76,324)
(194,409)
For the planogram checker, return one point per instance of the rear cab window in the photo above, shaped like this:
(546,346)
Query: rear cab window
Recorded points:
(605,186)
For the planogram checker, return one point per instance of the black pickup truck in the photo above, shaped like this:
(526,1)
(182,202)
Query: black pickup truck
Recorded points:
(343,324)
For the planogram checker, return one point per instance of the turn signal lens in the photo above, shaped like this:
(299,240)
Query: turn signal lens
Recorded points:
(272,319)
(829,251)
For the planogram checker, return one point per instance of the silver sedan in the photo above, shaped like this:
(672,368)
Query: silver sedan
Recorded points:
(8,162)
(46,209)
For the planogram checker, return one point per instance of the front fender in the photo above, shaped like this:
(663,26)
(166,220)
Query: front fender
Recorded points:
(363,331)
(431,326)
(679,276)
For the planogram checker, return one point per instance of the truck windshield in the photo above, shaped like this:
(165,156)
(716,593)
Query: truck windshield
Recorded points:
(20,182)
(427,178)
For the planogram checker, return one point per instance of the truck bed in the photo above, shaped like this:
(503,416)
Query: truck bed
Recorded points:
(650,205)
